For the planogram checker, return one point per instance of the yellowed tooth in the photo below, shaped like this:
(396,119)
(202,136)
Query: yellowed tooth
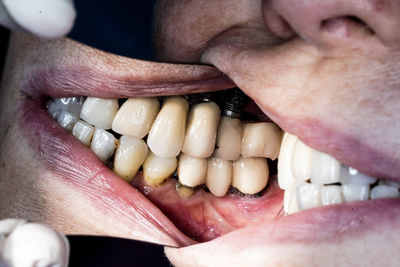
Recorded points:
(130,155)
(250,175)
(219,176)
(192,171)
(156,169)
(99,112)
(261,139)
(202,130)
(184,191)
(229,139)
(167,134)
(136,116)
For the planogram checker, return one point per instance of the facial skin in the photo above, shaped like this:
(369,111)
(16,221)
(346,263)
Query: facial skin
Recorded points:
(312,68)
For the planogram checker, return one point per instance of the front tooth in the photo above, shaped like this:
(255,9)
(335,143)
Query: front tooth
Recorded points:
(130,155)
(325,169)
(99,112)
(355,192)
(308,196)
(136,116)
(192,171)
(202,130)
(67,120)
(349,175)
(262,139)
(103,144)
(331,194)
(301,161)
(156,169)
(384,191)
(250,175)
(229,139)
(289,201)
(219,176)
(168,131)
(83,131)
(286,179)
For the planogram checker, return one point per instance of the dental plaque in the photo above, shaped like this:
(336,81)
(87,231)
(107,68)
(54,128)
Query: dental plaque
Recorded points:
(211,142)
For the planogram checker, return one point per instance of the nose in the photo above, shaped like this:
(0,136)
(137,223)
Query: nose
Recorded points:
(332,23)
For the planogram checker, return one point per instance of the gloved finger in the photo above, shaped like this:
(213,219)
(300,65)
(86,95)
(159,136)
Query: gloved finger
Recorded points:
(45,18)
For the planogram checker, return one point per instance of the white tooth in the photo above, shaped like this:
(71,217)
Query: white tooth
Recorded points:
(83,131)
(261,139)
(301,161)
(285,175)
(290,202)
(219,176)
(250,175)
(384,191)
(355,192)
(136,116)
(192,171)
(389,183)
(331,194)
(99,112)
(71,104)
(229,139)
(67,120)
(202,130)
(308,196)
(168,131)
(325,169)
(103,144)
(130,155)
(349,175)
(156,169)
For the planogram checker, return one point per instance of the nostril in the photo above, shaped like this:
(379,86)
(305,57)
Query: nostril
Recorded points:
(346,26)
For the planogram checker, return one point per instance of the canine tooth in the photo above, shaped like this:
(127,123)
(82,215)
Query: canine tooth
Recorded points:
(301,161)
(289,201)
(355,192)
(156,169)
(325,169)
(202,130)
(130,155)
(349,175)
(103,144)
(331,194)
(250,175)
(219,176)
(167,134)
(192,171)
(229,139)
(67,120)
(99,112)
(308,196)
(71,104)
(136,116)
(261,139)
(384,191)
(83,131)
(285,175)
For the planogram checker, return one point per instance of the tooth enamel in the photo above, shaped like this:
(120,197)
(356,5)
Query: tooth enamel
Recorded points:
(250,175)
(290,202)
(384,191)
(103,144)
(325,169)
(136,116)
(156,169)
(331,194)
(66,120)
(99,112)
(349,175)
(285,176)
(167,134)
(229,139)
(83,131)
(389,183)
(130,155)
(308,196)
(202,130)
(219,176)
(301,161)
(71,104)
(261,139)
(192,171)
(355,192)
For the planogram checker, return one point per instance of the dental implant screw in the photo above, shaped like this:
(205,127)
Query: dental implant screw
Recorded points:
(233,102)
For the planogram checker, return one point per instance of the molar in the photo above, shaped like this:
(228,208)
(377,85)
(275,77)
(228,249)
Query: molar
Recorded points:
(103,144)
(83,131)
(250,175)
(156,169)
(219,176)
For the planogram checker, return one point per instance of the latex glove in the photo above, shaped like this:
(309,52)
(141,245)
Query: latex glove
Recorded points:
(24,244)
(45,18)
